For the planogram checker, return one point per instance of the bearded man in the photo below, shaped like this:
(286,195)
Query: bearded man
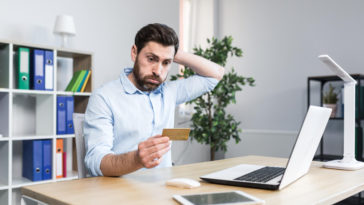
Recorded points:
(124,118)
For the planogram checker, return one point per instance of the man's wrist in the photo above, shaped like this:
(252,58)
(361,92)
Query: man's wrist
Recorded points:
(178,57)
(137,159)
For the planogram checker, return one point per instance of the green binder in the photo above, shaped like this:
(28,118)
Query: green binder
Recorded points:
(78,80)
(73,81)
(23,68)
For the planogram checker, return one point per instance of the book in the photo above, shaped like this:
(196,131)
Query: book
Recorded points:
(78,80)
(73,80)
(85,82)
(64,163)
(59,158)
(82,81)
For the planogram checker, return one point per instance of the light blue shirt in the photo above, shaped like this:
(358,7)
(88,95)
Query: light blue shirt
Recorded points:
(119,116)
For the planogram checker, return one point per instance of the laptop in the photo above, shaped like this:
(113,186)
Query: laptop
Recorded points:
(276,178)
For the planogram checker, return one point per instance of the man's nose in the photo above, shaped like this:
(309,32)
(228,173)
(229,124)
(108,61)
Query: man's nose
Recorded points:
(158,69)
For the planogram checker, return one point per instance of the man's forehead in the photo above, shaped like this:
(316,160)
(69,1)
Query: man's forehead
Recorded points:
(157,49)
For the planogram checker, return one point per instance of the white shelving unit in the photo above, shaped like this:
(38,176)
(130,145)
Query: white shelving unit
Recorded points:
(31,115)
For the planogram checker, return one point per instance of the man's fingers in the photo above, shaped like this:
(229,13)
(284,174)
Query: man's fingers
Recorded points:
(158,147)
(153,141)
(159,153)
(153,163)
(149,160)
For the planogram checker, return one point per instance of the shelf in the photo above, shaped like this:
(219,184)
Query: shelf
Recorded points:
(333,78)
(33,115)
(73,93)
(4,114)
(71,174)
(35,92)
(4,196)
(65,136)
(21,181)
(68,63)
(3,188)
(4,159)
(31,137)
(28,114)
(4,65)
(16,197)
(17,167)
(317,86)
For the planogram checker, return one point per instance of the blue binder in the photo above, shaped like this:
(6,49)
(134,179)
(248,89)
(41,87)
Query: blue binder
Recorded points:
(32,159)
(37,70)
(61,115)
(69,108)
(47,159)
(48,70)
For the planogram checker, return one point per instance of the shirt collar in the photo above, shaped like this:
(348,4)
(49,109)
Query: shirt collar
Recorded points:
(130,88)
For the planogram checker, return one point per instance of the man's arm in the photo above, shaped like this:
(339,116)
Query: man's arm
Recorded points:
(199,65)
(148,155)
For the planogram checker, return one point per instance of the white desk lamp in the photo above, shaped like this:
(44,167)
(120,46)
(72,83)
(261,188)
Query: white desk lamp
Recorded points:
(65,27)
(348,162)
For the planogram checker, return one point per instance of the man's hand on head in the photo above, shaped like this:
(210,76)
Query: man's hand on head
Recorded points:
(151,151)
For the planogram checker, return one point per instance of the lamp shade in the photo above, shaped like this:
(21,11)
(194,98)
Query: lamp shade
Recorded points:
(64,25)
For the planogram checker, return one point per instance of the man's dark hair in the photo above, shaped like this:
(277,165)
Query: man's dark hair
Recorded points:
(158,33)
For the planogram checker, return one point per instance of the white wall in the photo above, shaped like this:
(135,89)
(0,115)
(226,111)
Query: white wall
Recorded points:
(106,28)
(281,40)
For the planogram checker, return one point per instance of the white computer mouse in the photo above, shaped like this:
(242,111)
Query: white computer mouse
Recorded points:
(183,183)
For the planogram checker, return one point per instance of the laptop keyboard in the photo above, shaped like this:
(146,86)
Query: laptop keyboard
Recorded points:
(262,175)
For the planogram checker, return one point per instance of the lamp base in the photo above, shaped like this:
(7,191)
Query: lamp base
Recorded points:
(344,164)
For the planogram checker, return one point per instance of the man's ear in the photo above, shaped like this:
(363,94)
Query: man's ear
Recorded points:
(134,53)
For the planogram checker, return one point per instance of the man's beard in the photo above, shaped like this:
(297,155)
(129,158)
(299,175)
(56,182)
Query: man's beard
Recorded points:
(143,84)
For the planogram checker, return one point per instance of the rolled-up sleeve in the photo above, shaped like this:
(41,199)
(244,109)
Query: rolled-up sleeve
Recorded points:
(98,132)
(192,87)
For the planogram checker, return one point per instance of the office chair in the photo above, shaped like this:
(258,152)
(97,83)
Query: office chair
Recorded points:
(78,119)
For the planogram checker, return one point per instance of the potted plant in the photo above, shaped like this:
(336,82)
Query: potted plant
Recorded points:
(210,122)
(330,99)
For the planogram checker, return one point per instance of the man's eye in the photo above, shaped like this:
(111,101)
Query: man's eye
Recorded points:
(166,62)
(150,59)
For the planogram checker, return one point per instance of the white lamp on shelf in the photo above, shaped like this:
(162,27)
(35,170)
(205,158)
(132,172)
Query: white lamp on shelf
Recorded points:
(65,27)
(348,162)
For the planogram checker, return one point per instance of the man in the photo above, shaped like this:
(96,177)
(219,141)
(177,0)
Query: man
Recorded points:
(125,117)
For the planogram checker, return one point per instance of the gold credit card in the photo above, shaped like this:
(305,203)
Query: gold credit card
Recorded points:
(177,133)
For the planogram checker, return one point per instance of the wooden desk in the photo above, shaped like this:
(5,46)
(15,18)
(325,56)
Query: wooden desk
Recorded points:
(319,186)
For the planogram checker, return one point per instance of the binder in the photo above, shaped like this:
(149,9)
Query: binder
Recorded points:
(69,114)
(64,163)
(23,68)
(82,81)
(86,80)
(73,81)
(61,115)
(37,70)
(59,158)
(49,70)
(78,80)
(47,159)
(32,160)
